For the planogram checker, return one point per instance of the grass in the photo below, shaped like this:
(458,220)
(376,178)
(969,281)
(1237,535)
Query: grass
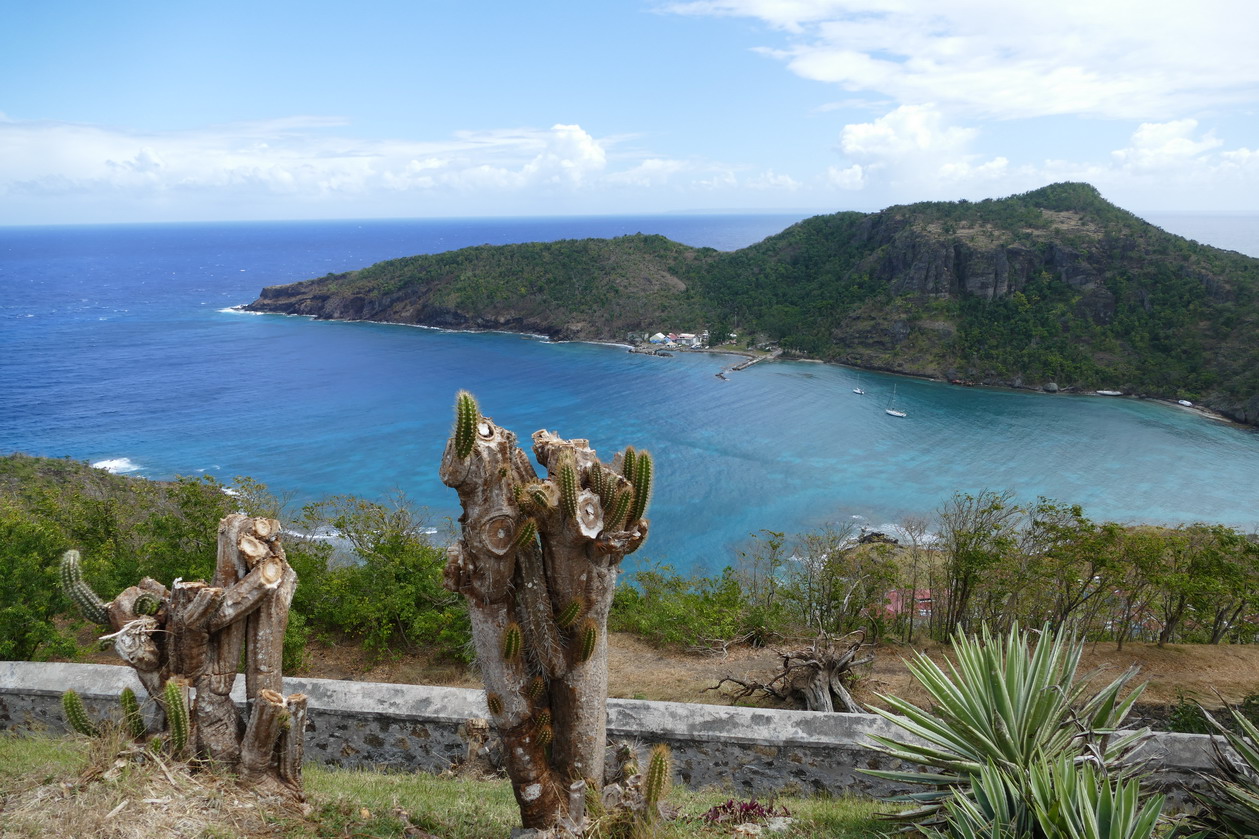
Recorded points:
(97,788)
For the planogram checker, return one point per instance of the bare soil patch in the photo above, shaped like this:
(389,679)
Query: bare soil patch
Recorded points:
(637,670)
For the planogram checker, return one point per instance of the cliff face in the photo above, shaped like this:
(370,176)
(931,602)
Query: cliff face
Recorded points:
(1053,285)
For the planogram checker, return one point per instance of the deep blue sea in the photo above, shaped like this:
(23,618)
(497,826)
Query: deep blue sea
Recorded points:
(118,346)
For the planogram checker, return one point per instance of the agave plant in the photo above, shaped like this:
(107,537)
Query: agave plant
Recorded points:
(1230,803)
(1066,801)
(1009,704)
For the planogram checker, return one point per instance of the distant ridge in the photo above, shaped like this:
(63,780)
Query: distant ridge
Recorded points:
(1053,285)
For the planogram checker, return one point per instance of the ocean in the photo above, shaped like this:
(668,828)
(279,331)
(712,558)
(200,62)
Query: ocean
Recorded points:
(119,346)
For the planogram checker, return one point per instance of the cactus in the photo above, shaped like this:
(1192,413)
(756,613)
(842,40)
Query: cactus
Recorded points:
(642,488)
(513,641)
(494,702)
(620,508)
(536,688)
(467,416)
(545,735)
(596,477)
(570,613)
(132,718)
(525,534)
(543,718)
(92,607)
(569,485)
(659,775)
(537,496)
(177,715)
(627,463)
(76,714)
(587,639)
(147,604)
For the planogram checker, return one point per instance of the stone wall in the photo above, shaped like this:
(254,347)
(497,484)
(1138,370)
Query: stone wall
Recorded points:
(746,751)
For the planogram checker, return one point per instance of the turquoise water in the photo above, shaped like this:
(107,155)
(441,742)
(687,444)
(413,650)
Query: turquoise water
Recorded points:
(117,344)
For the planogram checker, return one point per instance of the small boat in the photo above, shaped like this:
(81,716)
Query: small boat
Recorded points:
(1184,402)
(889,410)
(1109,393)
(859,391)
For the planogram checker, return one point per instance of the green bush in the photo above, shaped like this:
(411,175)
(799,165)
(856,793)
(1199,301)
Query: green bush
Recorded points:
(669,609)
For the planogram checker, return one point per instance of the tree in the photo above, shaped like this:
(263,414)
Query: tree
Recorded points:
(976,532)
(537,560)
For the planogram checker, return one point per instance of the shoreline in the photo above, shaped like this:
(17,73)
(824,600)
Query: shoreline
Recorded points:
(1200,410)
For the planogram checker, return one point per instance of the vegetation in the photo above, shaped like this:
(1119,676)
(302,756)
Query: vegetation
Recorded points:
(1051,285)
(1014,747)
(389,597)
(62,786)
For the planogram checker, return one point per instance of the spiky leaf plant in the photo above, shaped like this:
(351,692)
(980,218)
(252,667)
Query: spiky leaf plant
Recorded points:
(1009,702)
(1230,802)
(1058,800)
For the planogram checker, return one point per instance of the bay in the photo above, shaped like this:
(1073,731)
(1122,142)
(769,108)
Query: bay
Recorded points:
(118,345)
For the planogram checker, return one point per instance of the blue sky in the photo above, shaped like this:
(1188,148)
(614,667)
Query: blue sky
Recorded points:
(145,111)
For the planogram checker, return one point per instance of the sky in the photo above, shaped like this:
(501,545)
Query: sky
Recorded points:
(137,111)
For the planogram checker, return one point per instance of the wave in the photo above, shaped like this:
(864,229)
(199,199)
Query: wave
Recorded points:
(117,465)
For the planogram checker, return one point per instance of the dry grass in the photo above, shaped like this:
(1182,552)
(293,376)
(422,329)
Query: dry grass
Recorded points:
(111,788)
(108,789)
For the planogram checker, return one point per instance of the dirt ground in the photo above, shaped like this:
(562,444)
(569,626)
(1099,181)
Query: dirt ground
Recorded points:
(640,671)
(637,670)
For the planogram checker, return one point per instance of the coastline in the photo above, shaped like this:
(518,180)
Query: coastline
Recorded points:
(763,355)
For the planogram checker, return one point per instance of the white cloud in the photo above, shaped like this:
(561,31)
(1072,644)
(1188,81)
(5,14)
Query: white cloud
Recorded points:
(1160,146)
(288,157)
(771,180)
(1133,59)
(852,177)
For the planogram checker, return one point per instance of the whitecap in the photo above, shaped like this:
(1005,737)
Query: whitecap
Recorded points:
(116,465)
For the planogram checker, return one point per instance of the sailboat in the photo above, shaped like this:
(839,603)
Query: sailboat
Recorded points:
(889,410)
(857,390)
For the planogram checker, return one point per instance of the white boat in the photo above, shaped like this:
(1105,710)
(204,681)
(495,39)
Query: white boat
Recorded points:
(889,410)
(859,391)
(1109,393)
(1184,402)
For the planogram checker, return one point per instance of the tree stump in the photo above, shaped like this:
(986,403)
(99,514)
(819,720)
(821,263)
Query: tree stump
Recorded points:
(537,560)
(196,633)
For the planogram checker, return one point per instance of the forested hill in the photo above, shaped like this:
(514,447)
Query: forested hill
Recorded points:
(1056,285)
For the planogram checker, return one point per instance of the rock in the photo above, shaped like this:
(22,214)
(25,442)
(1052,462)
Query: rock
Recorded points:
(1051,387)
(874,537)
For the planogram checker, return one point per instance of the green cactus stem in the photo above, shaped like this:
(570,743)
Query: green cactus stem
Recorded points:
(587,639)
(177,715)
(596,477)
(620,508)
(537,496)
(495,703)
(513,641)
(147,604)
(569,484)
(627,463)
(467,416)
(659,775)
(642,488)
(76,714)
(132,717)
(536,688)
(570,613)
(73,584)
(525,534)
(545,735)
